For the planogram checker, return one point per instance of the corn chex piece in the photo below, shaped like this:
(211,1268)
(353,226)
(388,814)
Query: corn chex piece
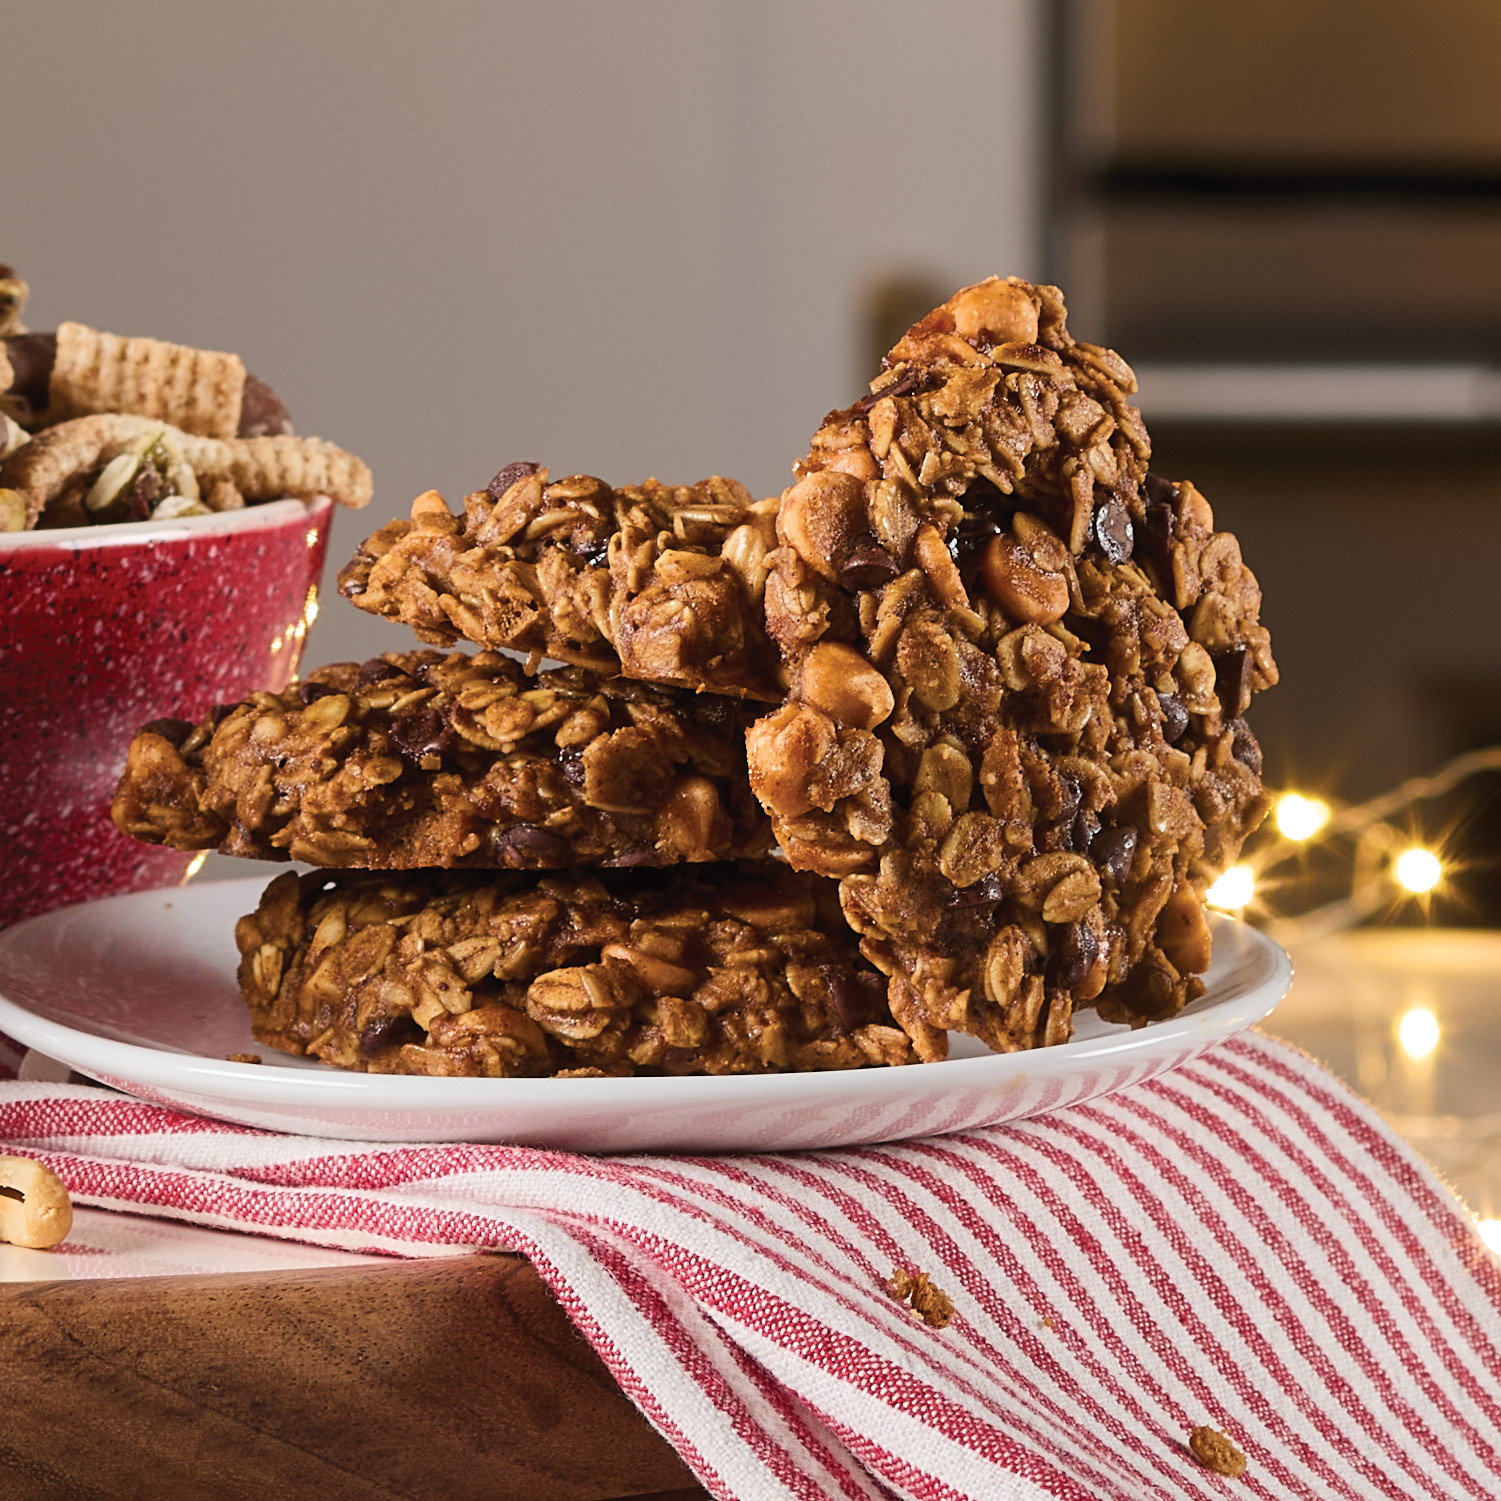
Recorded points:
(197,390)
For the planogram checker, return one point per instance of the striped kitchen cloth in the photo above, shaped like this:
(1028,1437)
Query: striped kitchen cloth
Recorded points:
(1050,1308)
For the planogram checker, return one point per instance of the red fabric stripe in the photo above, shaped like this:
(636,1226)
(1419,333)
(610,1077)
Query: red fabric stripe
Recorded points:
(105,1114)
(1441,1214)
(1228,1363)
(897,1327)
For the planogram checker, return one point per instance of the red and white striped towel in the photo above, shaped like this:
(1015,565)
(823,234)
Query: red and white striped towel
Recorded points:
(1239,1244)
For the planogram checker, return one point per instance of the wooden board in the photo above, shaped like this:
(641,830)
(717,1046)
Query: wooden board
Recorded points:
(457,1379)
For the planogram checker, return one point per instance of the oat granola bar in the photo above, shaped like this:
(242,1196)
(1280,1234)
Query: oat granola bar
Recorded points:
(661,583)
(1019,665)
(574,974)
(427,759)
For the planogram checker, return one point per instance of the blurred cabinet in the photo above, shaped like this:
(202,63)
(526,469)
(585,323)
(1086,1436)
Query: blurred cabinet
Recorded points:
(1287,216)
(1291,179)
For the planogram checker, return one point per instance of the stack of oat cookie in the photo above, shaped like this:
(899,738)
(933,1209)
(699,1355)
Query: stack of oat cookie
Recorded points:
(948,737)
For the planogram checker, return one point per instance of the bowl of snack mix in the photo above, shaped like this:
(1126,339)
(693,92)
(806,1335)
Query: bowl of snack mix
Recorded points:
(162,538)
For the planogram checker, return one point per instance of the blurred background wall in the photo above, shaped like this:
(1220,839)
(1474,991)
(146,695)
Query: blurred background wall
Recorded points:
(624,239)
(665,237)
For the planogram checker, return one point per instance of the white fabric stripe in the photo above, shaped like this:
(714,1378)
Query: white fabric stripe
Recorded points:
(336,1239)
(1343,1217)
(1310,1401)
(971,1364)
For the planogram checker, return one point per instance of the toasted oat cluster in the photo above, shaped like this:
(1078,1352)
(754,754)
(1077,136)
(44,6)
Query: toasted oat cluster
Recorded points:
(978,665)
(1019,665)
(660,583)
(634,972)
(427,759)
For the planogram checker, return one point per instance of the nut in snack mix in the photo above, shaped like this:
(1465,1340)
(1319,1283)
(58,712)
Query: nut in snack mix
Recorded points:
(101,429)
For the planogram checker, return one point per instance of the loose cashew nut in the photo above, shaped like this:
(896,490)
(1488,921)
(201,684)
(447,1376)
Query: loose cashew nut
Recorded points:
(35,1210)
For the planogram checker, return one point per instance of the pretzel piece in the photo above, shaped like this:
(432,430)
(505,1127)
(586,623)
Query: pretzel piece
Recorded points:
(259,468)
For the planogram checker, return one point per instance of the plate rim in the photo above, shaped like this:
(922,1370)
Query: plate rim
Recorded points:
(324,1086)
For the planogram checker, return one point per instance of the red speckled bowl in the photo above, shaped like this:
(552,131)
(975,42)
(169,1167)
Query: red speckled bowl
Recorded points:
(103,629)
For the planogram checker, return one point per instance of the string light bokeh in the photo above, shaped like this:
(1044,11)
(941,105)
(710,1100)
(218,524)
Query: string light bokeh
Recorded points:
(1317,868)
(1386,869)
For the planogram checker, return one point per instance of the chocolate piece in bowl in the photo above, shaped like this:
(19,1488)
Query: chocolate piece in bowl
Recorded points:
(431,759)
(712,971)
(661,583)
(1018,664)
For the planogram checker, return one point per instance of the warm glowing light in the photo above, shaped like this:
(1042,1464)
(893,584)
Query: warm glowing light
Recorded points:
(194,866)
(1300,817)
(1490,1233)
(312,538)
(1233,890)
(1417,870)
(1418,1032)
(310,610)
(275,642)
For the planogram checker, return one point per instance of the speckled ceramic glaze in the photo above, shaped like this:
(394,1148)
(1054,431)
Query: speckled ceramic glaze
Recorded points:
(105,628)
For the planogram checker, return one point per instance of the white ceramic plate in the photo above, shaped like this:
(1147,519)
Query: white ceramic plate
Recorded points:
(139,993)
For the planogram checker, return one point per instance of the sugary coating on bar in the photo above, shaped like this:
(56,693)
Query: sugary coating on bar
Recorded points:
(662,583)
(64,473)
(196,390)
(433,759)
(583,974)
(1019,665)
